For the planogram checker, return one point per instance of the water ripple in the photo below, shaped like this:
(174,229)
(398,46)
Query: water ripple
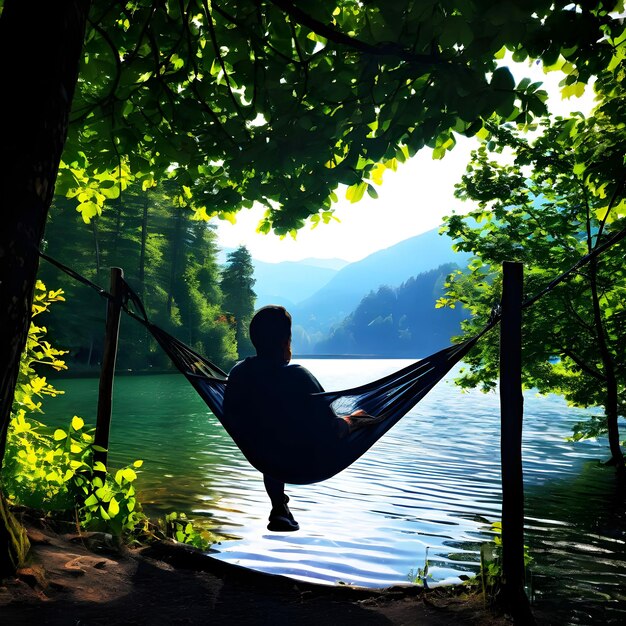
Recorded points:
(433,482)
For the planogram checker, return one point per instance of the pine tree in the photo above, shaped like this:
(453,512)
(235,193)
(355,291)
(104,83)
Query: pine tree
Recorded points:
(237,283)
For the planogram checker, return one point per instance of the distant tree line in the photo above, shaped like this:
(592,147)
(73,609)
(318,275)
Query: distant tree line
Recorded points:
(169,260)
(398,321)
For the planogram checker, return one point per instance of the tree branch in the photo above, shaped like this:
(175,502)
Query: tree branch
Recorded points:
(211,112)
(582,365)
(110,96)
(618,188)
(336,36)
(216,48)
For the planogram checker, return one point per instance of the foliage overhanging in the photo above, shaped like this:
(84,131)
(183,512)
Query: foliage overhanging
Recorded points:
(280,102)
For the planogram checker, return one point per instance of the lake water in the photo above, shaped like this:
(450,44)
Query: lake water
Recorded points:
(433,482)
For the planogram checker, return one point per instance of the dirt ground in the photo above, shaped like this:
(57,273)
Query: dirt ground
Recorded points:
(85,580)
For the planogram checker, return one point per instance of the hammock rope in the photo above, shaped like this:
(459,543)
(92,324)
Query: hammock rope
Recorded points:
(312,454)
(596,252)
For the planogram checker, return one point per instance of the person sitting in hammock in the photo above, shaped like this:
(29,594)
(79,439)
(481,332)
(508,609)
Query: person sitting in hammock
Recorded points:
(267,400)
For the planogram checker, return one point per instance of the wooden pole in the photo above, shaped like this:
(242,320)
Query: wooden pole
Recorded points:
(512,411)
(107,373)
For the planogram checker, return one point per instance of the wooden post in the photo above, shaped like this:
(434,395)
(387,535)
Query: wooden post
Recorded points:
(107,373)
(512,411)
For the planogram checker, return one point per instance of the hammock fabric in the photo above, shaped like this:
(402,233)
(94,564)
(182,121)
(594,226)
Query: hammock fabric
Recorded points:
(315,454)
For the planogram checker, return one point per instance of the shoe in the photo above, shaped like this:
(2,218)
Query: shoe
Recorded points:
(281,523)
(282,520)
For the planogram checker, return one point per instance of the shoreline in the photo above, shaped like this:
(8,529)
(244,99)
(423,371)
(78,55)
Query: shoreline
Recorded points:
(88,579)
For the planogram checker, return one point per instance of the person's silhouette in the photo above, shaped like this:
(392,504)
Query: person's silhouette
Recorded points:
(265,394)
(259,386)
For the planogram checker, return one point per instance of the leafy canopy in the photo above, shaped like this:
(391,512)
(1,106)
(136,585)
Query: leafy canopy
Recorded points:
(553,200)
(280,102)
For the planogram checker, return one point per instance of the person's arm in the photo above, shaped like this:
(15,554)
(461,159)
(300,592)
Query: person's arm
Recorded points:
(307,383)
(359,419)
(302,381)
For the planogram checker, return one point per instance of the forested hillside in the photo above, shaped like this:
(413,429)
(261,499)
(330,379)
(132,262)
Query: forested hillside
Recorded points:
(328,307)
(398,322)
(170,261)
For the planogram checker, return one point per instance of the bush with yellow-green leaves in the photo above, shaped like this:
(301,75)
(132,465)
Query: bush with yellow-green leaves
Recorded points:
(53,469)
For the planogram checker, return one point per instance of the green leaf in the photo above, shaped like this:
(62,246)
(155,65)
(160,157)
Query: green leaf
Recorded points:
(502,79)
(574,90)
(111,193)
(456,31)
(501,53)
(355,192)
(88,210)
(129,474)
(92,500)
(439,153)
(114,507)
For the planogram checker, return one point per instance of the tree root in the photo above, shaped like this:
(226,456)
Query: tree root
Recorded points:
(14,544)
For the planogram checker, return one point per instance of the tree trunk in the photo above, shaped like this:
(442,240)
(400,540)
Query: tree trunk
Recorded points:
(142,271)
(40,48)
(107,374)
(117,234)
(514,597)
(13,535)
(611,402)
(176,243)
(96,249)
(142,253)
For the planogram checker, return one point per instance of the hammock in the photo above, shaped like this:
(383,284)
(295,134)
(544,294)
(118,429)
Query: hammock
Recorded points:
(317,456)
(305,453)
(313,454)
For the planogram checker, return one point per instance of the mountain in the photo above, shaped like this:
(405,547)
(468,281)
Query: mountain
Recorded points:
(333,264)
(392,266)
(289,282)
(398,321)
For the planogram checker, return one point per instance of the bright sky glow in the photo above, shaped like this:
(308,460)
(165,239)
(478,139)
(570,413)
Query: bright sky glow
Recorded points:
(411,200)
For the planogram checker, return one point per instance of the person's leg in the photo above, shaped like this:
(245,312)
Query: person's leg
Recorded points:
(275,490)
(280,518)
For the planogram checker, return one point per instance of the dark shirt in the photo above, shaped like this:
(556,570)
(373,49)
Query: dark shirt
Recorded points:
(270,410)
(269,379)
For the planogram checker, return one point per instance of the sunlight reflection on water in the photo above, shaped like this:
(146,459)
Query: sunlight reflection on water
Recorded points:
(432,482)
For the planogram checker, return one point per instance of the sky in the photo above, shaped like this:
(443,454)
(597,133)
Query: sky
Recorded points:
(411,201)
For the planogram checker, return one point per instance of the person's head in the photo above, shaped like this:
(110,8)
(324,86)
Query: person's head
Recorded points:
(270,332)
